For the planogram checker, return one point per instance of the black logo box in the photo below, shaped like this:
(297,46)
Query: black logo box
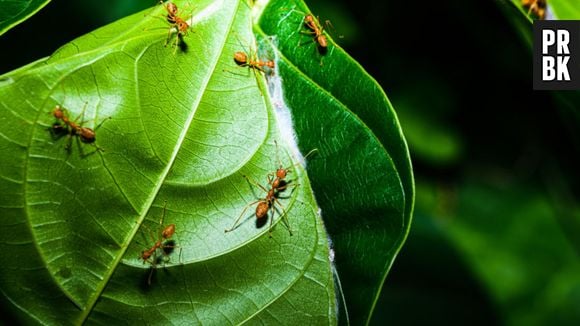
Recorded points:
(573,27)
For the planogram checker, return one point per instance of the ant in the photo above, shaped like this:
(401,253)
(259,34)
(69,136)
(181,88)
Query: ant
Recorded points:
(242,60)
(250,60)
(264,205)
(176,22)
(162,242)
(278,184)
(315,29)
(72,128)
(277,179)
(536,7)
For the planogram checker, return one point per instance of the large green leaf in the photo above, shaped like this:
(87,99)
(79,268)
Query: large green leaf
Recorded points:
(362,174)
(13,12)
(565,9)
(185,127)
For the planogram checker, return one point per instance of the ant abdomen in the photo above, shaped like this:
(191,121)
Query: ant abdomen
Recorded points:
(240,58)
(87,135)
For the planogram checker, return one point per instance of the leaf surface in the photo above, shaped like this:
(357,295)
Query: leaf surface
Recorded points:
(361,174)
(180,128)
(177,129)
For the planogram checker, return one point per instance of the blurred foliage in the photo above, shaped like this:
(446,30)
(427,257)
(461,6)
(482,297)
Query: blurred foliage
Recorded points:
(495,239)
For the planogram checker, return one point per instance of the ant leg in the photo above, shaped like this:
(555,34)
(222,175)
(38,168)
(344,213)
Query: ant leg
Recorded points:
(151,234)
(100,124)
(176,44)
(290,167)
(271,178)
(236,72)
(240,217)
(271,222)
(307,42)
(328,24)
(283,216)
(168,36)
(309,34)
(259,68)
(255,183)
(186,7)
(82,115)
(161,219)
(79,145)
(287,185)
(68,144)
(153,263)
(151,270)
(258,80)
(312,151)
(163,213)
(83,154)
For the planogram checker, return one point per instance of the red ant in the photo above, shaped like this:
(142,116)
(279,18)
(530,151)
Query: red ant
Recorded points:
(72,128)
(244,60)
(536,7)
(313,24)
(278,184)
(241,58)
(264,205)
(315,29)
(176,22)
(162,243)
(276,179)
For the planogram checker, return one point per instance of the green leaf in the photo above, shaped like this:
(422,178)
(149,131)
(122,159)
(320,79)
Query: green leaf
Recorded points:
(179,128)
(361,174)
(565,9)
(184,128)
(14,12)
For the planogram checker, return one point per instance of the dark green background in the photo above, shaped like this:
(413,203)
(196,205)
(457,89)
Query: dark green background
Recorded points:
(495,232)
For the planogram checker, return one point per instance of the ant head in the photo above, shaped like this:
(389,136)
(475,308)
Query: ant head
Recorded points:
(240,58)
(58,112)
(281,173)
(308,19)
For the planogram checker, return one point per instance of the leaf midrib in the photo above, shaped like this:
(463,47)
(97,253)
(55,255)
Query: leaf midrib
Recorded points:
(148,203)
